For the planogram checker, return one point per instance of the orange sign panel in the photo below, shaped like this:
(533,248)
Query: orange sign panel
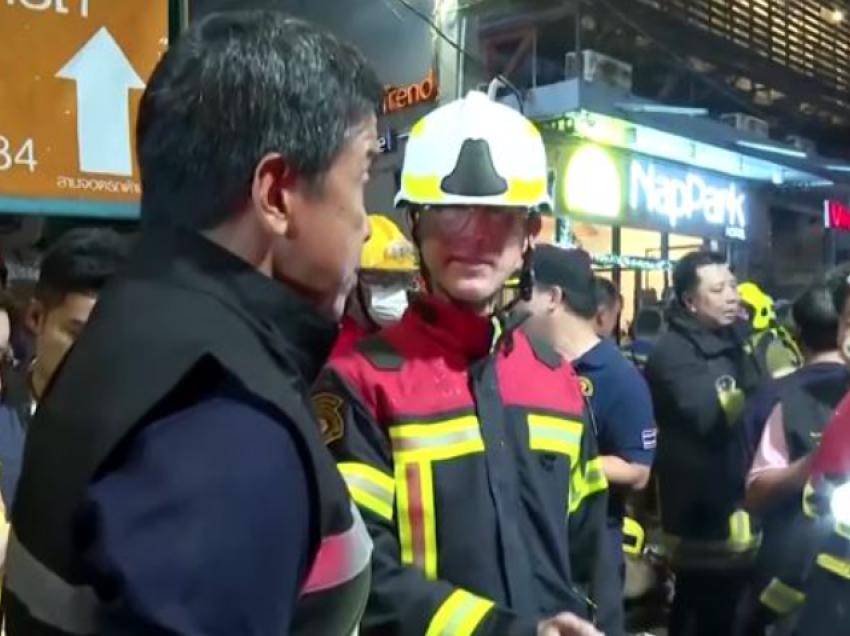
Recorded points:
(72,73)
(398,98)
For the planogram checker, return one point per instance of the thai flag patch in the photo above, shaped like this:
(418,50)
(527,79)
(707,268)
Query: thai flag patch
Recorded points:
(649,438)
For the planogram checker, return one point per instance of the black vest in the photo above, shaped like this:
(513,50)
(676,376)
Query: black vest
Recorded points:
(183,316)
(789,536)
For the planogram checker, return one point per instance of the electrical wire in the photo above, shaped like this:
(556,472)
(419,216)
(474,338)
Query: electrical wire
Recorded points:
(466,54)
(682,62)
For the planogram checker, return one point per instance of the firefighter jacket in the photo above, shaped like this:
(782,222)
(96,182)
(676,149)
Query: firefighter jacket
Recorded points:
(699,380)
(185,315)
(472,462)
(827,590)
(790,538)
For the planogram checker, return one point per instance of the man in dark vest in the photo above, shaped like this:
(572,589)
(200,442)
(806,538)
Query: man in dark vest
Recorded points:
(805,402)
(175,481)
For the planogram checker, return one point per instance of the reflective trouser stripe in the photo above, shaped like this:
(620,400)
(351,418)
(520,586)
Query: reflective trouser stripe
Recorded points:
(47,597)
(415,448)
(584,484)
(839,567)
(555,435)
(459,615)
(781,598)
(370,488)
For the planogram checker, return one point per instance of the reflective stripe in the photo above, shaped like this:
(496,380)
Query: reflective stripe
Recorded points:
(436,441)
(415,448)
(781,598)
(555,435)
(634,537)
(740,530)
(370,488)
(46,596)
(459,615)
(341,557)
(586,483)
(810,501)
(840,567)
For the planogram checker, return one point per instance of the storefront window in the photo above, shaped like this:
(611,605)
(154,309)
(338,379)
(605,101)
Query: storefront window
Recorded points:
(639,286)
(681,244)
(595,239)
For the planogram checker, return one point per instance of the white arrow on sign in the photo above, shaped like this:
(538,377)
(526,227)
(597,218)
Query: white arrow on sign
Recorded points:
(103,75)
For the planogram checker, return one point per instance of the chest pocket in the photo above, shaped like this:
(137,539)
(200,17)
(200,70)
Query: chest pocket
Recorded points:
(416,448)
(559,436)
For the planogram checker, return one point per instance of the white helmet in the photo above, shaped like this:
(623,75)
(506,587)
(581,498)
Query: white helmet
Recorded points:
(475,151)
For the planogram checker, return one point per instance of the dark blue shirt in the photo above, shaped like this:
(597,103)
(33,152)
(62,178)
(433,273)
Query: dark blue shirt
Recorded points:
(202,524)
(759,407)
(622,410)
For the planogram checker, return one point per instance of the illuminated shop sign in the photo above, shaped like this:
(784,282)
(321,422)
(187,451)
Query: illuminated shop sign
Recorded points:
(836,215)
(680,194)
(617,188)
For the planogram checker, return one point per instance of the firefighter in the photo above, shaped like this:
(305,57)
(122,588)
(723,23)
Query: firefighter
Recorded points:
(174,478)
(772,344)
(805,402)
(826,605)
(463,442)
(388,273)
(700,374)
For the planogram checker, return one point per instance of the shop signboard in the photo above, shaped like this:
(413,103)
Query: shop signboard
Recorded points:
(72,74)
(836,215)
(627,189)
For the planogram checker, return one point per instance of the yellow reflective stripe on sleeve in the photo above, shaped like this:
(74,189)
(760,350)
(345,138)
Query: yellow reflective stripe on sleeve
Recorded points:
(405,525)
(586,483)
(781,598)
(555,435)
(459,615)
(436,441)
(740,529)
(369,488)
(840,567)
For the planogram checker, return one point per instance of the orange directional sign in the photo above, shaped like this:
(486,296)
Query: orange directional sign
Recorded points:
(71,76)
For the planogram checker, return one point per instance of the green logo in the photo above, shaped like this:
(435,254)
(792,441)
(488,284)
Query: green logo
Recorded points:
(591,184)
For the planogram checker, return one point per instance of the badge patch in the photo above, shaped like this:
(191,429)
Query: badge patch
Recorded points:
(329,411)
(649,438)
(586,386)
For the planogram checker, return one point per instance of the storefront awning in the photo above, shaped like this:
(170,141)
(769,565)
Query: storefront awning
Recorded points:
(686,135)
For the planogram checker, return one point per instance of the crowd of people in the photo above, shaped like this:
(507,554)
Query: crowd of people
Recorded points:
(271,413)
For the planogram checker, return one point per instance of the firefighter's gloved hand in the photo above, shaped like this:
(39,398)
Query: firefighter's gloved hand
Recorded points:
(567,625)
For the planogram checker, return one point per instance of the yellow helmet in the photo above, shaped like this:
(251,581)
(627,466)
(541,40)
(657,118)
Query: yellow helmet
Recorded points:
(475,151)
(387,249)
(758,304)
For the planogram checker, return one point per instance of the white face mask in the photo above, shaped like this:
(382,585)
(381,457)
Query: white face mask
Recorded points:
(388,304)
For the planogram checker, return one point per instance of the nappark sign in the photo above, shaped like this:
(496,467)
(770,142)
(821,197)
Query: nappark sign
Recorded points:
(679,195)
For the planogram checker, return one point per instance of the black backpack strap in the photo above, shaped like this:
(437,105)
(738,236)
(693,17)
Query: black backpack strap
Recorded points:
(545,353)
(380,353)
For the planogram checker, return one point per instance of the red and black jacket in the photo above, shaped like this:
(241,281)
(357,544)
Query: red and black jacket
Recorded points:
(473,464)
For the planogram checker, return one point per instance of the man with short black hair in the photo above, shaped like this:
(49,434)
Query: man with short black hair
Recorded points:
(563,309)
(700,374)
(609,306)
(73,272)
(175,480)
